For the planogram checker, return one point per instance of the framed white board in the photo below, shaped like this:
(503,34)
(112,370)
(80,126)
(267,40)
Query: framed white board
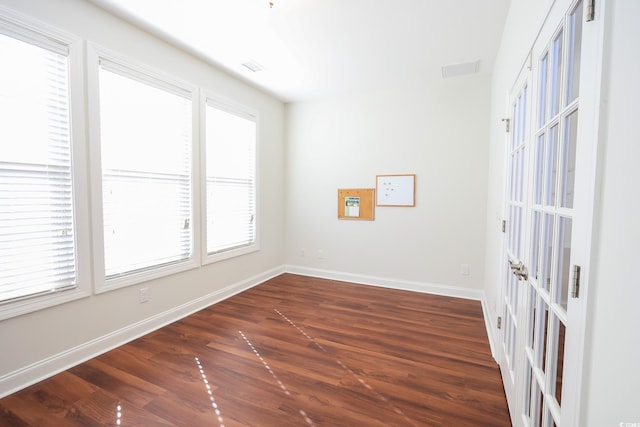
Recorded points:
(396,190)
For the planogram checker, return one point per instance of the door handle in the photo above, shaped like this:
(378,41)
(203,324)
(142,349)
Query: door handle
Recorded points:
(519,269)
(515,266)
(522,272)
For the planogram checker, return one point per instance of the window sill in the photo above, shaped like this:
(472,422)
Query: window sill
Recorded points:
(105,285)
(40,302)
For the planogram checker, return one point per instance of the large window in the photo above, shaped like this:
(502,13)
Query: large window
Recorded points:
(145,160)
(230,180)
(134,202)
(38,245)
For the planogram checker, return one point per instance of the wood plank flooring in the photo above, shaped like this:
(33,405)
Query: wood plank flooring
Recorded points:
(293,351)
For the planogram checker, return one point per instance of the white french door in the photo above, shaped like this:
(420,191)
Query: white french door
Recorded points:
(515,208)
(548,209)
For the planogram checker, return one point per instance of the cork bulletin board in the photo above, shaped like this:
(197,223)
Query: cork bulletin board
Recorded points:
(356,203)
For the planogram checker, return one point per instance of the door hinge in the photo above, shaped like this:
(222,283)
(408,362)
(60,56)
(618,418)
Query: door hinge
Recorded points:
(504,225)
(499,322)
(575,288)
(591,10)
(507,124)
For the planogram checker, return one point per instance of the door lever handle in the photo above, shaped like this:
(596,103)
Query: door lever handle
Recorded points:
(519,269)
(522,273)
(515,266)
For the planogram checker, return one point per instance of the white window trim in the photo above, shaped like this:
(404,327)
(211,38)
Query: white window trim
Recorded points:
(35,32)
(241,110)
(95,54)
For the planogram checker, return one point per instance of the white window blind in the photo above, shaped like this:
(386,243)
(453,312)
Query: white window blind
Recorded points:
(230,179)
(37,236)
(146,138)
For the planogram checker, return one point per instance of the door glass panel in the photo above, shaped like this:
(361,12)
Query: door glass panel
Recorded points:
(510,289)
(516,117)
(520,187)
(513,294)
(574,47)
(542,94)
(535,243)
(537,171)
(522,121)
(515,231)
(532,320)
(568,172)
(563,268)
(547,416)
(547,252)
(545,339)
(535,408)
(554,77)
(540,333)
(512,178)
(550,167)
(559,362)
(510,334)
(518,248)
(512,228)
(512,341)
(517,183)
(527,386)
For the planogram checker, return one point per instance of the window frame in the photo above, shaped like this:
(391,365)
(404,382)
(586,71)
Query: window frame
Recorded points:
(224,104)
(148,75)
(30,30)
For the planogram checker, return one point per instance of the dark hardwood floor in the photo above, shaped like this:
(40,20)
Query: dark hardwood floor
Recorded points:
(293,351)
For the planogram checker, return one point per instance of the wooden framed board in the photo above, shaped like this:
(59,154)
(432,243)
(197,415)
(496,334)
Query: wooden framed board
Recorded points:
(356,203)
(396,190)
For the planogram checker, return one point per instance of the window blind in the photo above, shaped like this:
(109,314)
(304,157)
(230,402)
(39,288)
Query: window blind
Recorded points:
(230,179)
(145,137)
(37,243)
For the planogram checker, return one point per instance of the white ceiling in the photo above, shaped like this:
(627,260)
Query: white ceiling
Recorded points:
(320,48)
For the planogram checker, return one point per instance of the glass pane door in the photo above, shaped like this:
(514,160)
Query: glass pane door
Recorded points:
(514,248)
(551,226)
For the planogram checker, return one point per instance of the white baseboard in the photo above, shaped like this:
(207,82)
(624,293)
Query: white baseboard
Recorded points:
(43,369)
(428,288)
(488,324)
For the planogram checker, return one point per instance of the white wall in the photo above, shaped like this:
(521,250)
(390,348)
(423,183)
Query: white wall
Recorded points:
(612,394)
(611,378)
(29,340)
(440,133)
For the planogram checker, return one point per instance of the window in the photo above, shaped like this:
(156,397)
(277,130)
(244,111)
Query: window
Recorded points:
(230,146)
(38,225)
(145,134)
(136,216)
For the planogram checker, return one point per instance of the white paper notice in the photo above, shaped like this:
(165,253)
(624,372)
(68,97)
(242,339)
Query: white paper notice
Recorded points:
(352,206)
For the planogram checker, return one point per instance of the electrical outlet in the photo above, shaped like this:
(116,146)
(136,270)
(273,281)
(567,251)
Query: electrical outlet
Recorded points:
(302,253)
(143,295)
(464,269)
(320,254)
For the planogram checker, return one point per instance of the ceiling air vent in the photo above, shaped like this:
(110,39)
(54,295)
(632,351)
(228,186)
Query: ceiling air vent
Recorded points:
(461,69)
(253,66)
